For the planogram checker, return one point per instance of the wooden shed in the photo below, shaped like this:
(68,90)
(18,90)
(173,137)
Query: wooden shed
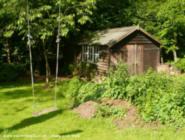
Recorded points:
(130,45)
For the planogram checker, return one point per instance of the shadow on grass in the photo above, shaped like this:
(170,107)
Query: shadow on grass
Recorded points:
(73,132)
(23,93)
(17,94)
(33,120)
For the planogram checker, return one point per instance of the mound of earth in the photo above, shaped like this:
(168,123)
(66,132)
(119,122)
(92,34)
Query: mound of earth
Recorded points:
(87,110)
(130,119)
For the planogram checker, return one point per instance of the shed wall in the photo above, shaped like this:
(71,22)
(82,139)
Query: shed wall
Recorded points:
(103,63)
(140,54)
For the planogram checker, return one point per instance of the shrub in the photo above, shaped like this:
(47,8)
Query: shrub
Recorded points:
(10,72)
(79,92)
(159,97)
(86,70)
(70,90)
(116,82)
(180,64)
(90,91)
(146,85)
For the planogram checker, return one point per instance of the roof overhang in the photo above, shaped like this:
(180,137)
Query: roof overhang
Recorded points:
(111,37)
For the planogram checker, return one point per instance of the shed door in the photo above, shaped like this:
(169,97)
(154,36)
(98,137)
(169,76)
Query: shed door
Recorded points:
(151,57)
(135,59)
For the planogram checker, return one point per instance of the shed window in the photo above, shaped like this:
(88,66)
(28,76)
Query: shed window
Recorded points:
(90,54)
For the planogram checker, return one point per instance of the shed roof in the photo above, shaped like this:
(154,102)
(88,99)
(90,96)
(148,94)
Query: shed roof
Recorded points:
(110,37)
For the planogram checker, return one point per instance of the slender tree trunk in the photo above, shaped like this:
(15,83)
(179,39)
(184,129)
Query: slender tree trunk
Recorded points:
(175,55)
(48,73)
(8,53)
(162,60)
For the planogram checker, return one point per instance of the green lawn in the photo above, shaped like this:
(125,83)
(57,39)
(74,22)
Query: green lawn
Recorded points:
(17,122)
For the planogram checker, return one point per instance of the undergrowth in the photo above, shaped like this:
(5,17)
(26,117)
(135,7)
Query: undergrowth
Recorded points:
(158,96)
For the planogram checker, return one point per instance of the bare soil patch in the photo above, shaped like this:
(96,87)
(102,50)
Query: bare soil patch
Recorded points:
(131,118)
(88,110)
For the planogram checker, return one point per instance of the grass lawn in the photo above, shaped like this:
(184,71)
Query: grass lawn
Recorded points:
(17,122)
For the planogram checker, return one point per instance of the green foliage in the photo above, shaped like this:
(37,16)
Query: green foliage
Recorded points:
(78,91)
(110,14)
(44,18)
(162,101)
(146,85)
(87,70)
(70,90)
(115,84)
(166,20)
(158,96)
(90,91)
(110,111)
(10,72)
(180,64)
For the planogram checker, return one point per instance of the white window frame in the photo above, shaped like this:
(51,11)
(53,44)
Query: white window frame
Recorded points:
(90,54)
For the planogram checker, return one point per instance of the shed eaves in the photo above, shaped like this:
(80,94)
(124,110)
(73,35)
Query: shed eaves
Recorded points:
(110,37)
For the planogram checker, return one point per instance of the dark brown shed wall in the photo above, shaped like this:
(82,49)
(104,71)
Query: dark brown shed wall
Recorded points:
(139,53)
(151,57)
(103,63)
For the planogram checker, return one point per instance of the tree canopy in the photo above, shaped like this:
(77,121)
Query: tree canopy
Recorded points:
(165,19)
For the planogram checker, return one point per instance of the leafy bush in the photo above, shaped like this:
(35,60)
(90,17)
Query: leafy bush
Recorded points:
(180,64)
(10,72)
(110,111)
(115,84)
(70,90)
(145,85)
(159,97)
(90,91)
(79,92)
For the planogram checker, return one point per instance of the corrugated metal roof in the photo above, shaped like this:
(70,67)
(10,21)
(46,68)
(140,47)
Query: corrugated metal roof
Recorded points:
(110,37)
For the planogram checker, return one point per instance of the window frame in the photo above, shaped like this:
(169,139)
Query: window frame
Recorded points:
(90,54)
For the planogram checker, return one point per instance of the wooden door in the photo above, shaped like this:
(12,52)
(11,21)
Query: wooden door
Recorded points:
(135,59)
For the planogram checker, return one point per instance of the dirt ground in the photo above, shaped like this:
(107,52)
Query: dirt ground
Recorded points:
(131,118)
(87,110)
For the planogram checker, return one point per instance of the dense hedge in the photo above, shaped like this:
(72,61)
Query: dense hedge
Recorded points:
(159,97)
(10,72)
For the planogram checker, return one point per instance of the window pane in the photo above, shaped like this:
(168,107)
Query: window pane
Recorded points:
(90,54)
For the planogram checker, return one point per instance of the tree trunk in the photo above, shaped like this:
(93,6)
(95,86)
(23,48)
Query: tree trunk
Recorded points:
(48,73)
(8,53)
(175,55)
(162,60)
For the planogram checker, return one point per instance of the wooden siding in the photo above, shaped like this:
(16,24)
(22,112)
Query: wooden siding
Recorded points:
(140,39)
(151,57)
(135,59)
(139,53)
(103,63)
